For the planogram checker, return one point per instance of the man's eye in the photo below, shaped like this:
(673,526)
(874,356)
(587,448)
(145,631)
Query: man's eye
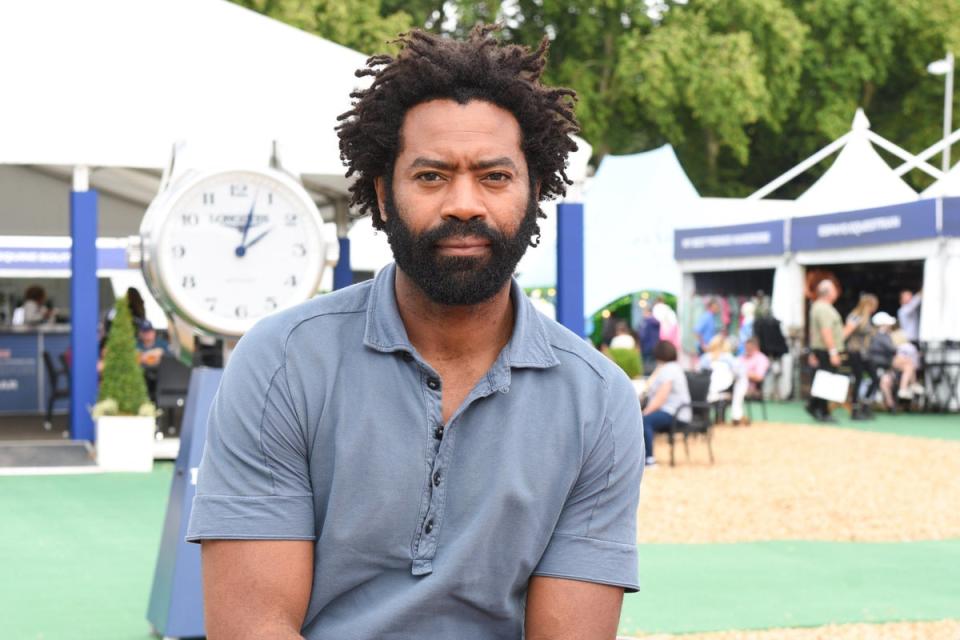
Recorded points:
(430,176)
(497,176)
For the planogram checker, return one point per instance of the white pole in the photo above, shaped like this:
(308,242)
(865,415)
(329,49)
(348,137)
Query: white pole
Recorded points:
(948,111)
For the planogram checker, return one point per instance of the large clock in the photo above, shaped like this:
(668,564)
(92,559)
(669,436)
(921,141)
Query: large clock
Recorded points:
(223,249)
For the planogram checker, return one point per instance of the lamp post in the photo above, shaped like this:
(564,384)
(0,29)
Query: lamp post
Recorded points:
(945,68)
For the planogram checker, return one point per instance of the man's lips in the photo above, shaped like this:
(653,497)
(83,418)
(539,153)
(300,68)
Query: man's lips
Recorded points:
(463,246)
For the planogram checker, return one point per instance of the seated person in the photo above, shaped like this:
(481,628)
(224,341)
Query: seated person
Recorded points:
(151,347)
(880,354)
(755,365)
(728,375)
(906,361)
(667,391)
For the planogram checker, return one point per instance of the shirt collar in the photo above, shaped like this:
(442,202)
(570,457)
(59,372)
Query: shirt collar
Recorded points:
(529,345)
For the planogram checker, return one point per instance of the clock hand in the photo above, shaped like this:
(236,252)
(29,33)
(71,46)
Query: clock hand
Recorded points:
(246,226)
(257,239)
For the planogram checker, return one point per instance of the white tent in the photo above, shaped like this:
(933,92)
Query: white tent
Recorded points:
(631,207)
(858,179)
(114,83)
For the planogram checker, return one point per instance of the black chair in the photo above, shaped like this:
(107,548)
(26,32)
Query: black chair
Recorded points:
(701,415)
(57,391)
(173,380)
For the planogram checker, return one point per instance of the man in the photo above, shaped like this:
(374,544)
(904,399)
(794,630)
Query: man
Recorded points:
(707,325)
(826,342)
(423,455)
(908,315)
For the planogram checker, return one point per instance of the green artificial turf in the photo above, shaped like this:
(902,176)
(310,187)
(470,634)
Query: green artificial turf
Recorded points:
(759,585)
(78,554)
(921,425)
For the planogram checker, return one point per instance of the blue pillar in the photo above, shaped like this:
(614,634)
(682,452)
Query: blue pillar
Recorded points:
(570,267)
(342,274)
(85,307)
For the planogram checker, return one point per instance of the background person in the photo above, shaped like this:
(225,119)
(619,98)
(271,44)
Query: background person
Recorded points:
(857,331)
(826,343)
(667,391)
(908,315)
(707,324)
(754,366)
(649,337)
(880,353)
(34,310)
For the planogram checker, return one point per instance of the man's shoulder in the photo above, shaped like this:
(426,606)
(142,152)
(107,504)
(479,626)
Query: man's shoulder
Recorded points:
(578,356)
(273,334)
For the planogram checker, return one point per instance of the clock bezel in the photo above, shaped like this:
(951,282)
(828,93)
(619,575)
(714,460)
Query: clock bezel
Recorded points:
(158,214)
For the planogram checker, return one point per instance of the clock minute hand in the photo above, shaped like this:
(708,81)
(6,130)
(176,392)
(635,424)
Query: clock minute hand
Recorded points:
(246,226)
(257,239)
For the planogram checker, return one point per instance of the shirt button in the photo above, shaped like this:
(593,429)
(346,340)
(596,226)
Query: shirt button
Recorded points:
(429,527)
(433,383)
(436,479)
(438,432)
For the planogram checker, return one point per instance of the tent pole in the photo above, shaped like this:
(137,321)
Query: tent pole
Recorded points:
(770,187)
(570,267)
(85,304)
(342,273)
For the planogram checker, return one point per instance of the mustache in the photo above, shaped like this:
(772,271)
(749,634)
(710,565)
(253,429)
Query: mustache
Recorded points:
(454,228)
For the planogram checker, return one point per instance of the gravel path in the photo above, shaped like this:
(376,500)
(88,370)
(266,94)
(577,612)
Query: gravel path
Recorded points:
(782,482)
(943,630)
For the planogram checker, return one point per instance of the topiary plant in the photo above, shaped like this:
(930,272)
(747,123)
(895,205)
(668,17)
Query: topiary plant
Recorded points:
(628,360)
(123,391)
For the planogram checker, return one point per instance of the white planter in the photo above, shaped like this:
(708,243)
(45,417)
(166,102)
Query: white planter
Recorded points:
(125,443)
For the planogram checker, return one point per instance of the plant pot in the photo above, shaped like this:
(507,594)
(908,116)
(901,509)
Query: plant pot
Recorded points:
(125,443)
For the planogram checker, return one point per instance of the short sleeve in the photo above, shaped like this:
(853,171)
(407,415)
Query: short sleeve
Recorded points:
(254,481)
(595,539)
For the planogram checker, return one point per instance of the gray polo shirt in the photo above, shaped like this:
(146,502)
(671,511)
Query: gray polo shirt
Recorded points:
(327,427)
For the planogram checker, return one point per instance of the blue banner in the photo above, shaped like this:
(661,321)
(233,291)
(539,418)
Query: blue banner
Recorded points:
(56,258)
(755,239)
(880,225)
(951,217)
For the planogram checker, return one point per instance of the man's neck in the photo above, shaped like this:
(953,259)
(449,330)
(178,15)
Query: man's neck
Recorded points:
(444,333)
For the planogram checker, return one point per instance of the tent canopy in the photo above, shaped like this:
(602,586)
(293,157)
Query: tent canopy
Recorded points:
(858,179)
(115,83)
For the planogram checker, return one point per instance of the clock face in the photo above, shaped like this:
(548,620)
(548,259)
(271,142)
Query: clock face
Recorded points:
(233,247)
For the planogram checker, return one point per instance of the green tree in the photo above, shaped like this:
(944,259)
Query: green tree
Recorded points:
(359,24)
(123,380)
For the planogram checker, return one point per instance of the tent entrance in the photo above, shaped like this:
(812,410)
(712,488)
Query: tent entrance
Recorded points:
(883,279)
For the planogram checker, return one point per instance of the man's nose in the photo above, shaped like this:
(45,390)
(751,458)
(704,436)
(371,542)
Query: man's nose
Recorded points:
(464,200)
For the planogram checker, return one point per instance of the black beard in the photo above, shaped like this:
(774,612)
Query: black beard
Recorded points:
(458,280)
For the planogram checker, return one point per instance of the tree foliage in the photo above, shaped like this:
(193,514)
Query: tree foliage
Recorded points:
(743,89)
(123,380)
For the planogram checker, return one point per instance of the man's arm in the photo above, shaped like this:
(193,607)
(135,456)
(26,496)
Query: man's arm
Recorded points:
(560,609)
(256,588)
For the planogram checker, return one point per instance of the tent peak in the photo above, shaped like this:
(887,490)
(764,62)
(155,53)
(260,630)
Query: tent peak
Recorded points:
(860,121)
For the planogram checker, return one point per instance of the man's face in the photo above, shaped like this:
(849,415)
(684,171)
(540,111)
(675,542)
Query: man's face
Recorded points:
(461,212)
(905,297)
(148,337)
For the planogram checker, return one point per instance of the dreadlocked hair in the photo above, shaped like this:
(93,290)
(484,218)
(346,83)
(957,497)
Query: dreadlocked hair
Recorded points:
(431,67)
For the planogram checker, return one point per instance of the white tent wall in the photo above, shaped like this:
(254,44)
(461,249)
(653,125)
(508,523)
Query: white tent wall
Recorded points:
(631,208)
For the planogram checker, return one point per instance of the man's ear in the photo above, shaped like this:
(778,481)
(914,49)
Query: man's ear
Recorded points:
(380,186)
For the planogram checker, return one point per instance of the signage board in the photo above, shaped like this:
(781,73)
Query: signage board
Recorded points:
(880,225)
(951,217)
(56,258)
(754,239)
